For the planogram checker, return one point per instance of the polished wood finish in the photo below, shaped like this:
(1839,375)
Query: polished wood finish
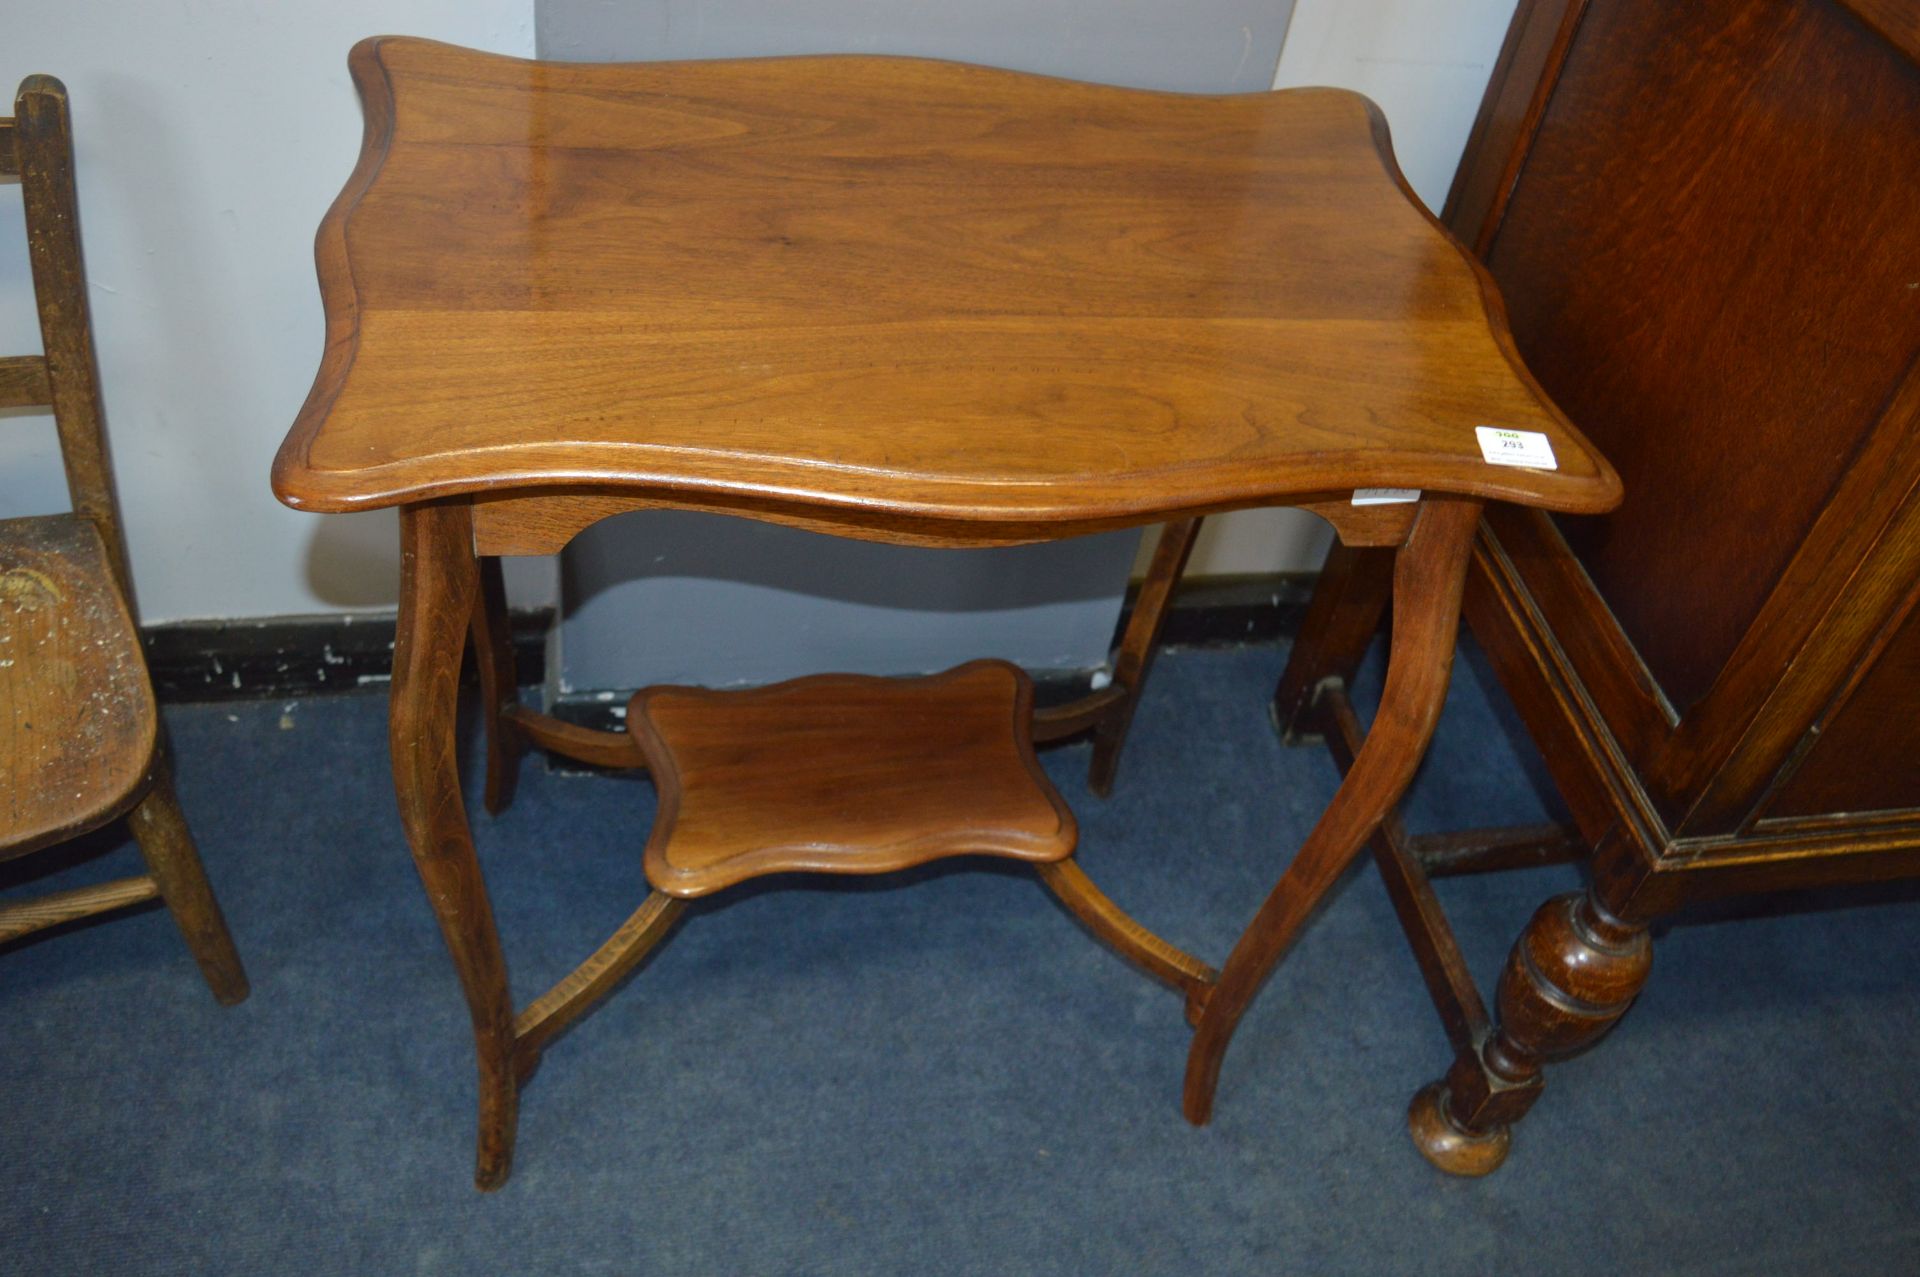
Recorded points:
(1898,21)
(1429,573)
(657,279)
(909,301)
(544,522)
(1070,885)
(1442,966)
(1669,284)
(1707,262)
(499,695)
(548,1015)
(1058,722)
(1878,718)
(844,773)
(1472,851)
(1575,971)
(1538,36)
(615,750)
(439,588)
(79,730)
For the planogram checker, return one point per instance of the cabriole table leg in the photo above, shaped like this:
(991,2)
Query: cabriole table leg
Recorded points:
(439,588)
(493,655)
(1428,578)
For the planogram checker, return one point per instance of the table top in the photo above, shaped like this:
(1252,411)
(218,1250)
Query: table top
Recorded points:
(905,289)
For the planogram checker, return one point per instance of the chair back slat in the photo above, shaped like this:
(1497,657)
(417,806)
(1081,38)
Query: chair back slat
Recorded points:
(43,152)
(9,167)
(23,382)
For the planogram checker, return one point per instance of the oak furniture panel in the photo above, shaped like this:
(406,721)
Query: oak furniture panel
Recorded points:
(1701,217)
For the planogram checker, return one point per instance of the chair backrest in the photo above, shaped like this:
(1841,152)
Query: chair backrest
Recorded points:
(36,147)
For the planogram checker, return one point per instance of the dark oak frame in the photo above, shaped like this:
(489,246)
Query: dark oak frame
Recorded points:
(1669,805)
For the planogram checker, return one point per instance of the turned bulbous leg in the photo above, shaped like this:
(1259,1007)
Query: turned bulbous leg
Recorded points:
(1573,973)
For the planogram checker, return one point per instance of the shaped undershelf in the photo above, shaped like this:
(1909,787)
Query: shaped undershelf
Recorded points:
(844,773)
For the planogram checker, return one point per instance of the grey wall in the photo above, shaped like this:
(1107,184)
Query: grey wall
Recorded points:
(1199,46)
(694,598)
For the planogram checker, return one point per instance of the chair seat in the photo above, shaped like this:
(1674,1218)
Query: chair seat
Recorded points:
(844,773)
(77,719)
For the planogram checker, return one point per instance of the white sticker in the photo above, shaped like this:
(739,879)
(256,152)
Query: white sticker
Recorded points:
(1516,448)
(1385,496)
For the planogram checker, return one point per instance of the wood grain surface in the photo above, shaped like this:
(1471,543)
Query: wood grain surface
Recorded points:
(844,773)
(914,294)
(1710,261)
(77,721)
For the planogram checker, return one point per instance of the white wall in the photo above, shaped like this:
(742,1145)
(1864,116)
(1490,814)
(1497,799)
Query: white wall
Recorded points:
(211,136)
(1426,62)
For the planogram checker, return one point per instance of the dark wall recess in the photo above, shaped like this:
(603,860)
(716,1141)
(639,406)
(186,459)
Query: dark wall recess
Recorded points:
(311,655)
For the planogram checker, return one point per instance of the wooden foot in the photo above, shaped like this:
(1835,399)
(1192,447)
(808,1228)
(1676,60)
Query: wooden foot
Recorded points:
(1573,973)
(1348,602)
(167,846)
(1453,1150)
(1137,647)
(493,654)
(1122,932)
(1429,574)
(439,585)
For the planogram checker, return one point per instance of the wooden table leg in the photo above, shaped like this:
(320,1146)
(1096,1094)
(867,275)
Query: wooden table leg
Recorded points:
(1428,578)
(1137,647)
(493,655)
(1348,602)
(1572,974)
(439,588)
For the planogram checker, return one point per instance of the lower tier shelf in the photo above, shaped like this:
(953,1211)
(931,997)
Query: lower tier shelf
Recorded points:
(845,773)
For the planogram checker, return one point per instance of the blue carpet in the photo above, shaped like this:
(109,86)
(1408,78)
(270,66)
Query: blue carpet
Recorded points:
(934,1073)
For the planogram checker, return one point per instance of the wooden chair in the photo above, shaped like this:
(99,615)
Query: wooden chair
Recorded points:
(79,731)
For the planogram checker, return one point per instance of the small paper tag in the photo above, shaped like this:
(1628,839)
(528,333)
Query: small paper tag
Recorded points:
(1385,496)
(1515,448)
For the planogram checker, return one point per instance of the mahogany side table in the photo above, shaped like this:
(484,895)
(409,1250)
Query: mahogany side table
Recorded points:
(907,301)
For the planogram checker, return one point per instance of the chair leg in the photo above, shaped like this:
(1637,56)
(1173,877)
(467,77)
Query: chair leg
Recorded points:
(167,845)
(1137,647)
(1429,576)
(493,655)
(439,582)
(1348,602)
